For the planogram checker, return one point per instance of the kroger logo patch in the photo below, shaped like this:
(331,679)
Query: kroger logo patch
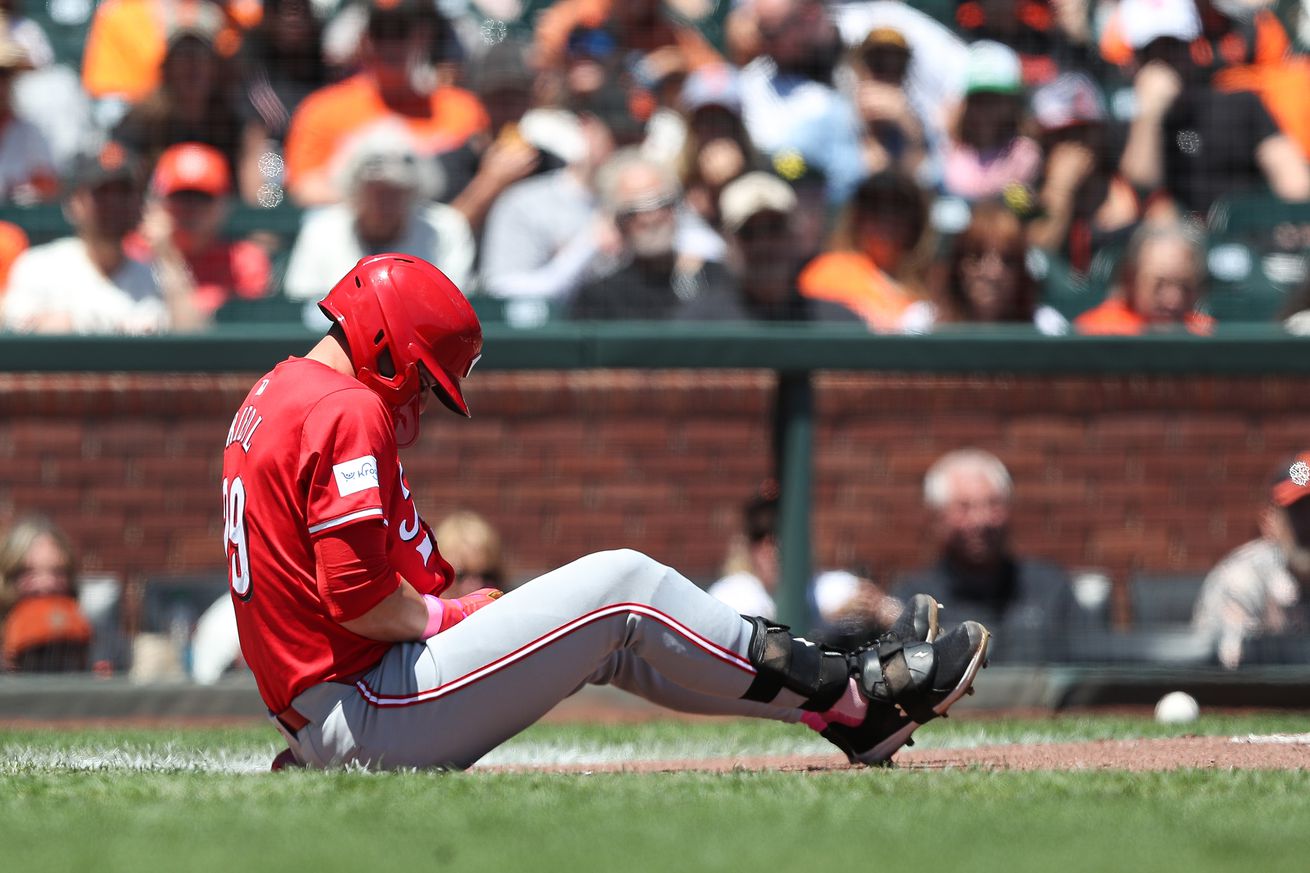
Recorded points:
(355,475)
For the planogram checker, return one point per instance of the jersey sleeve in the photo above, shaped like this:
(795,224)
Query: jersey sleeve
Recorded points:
(345,436)
(352,572)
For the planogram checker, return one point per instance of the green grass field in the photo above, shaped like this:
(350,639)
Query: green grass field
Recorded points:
(199,800)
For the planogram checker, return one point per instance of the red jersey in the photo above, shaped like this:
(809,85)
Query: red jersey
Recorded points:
(310,451)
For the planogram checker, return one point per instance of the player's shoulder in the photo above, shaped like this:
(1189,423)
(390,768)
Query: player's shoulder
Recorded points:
(344,402)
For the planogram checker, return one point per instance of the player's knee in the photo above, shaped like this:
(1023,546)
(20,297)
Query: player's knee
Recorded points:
(632,572)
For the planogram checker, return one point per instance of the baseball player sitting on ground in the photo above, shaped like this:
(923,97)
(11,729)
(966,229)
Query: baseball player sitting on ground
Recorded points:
(336,580)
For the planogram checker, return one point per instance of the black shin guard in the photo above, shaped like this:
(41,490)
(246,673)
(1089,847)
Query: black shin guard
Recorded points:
(817,674)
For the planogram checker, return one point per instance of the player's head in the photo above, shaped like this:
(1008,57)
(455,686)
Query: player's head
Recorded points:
(407,327)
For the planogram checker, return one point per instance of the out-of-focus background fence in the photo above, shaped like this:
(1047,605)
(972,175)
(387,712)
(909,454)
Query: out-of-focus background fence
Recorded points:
(1136,482)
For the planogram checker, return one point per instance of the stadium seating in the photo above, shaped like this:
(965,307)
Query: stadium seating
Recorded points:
(1258,251)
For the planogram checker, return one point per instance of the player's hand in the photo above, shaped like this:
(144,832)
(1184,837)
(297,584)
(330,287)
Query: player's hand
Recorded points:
(444,613)
(471,603)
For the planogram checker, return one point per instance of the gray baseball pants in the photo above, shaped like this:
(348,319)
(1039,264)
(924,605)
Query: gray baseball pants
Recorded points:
(617,618)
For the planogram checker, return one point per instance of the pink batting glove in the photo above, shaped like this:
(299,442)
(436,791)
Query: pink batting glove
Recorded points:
(444,614)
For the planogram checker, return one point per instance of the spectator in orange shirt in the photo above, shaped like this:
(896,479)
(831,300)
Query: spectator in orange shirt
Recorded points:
(1162,286)
(874,266)
(13,242)
(193,101)
(183,223)
(41,626)
(395,82)
(128,39)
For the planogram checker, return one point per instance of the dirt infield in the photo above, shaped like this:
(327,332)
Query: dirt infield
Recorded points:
(1277,752)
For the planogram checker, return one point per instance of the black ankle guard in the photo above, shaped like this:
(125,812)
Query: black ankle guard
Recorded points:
(898,675)
(817,674)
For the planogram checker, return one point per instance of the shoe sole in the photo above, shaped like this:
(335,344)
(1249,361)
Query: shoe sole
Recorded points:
(882,753)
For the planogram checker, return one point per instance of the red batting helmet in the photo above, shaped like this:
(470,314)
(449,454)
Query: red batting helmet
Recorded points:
(398,312)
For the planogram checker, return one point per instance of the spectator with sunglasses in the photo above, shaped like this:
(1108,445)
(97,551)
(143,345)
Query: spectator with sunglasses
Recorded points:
(665,260)
(987,281)
(472,546)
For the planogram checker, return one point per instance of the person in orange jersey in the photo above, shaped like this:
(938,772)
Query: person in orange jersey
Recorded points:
(1163,284)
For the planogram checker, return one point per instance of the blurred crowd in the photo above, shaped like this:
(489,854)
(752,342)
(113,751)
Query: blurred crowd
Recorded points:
(1252,607)
(1074,165)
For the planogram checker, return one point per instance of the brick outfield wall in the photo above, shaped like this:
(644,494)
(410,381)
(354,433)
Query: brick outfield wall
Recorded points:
(1140,473)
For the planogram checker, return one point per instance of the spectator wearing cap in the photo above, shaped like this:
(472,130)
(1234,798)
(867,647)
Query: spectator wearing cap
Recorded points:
(390,86)
(1162,285)
(88,283)
(894,136)
(27,166)
(977,572)
(788,101)
(490,161)
(988,152)
(41,626)
(128,40)
(387,209)
(987,280)
(1085,202)
(182,230)
(717,149)
(934,80)
(193,100)
(764,254)
(657,271)
(875,261)
(1258,588)
(1195,143)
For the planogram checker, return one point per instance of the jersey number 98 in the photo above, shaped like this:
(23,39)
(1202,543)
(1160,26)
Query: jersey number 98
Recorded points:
(234,537)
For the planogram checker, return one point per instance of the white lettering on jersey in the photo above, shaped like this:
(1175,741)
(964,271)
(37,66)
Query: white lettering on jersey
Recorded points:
(262,386)
(409,531)
(355,475)
(243,427)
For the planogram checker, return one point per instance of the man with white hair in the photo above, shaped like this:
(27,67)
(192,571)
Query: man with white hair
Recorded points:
(387,209)
(661,268)
(977,576)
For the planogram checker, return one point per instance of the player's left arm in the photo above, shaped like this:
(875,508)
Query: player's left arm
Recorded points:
(406,615)
(365,596)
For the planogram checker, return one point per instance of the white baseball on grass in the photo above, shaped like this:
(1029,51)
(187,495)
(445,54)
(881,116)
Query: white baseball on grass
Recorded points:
(1177,707)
